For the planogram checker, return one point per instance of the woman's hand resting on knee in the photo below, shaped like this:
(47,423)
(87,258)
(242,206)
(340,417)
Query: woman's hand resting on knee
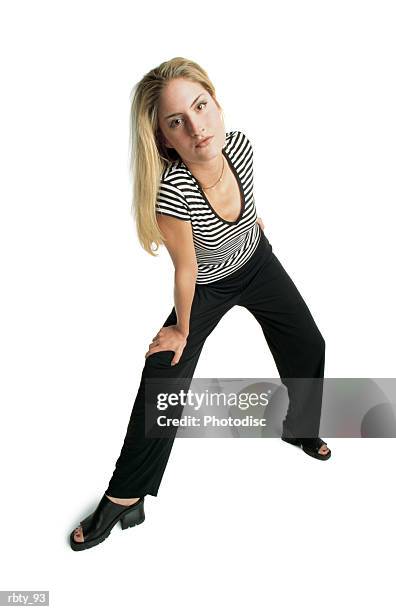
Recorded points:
(169,338)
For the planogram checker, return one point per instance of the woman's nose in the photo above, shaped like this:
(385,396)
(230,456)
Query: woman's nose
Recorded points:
(195,128)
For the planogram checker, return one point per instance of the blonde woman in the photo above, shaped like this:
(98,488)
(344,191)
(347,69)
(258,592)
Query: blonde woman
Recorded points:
(193,192)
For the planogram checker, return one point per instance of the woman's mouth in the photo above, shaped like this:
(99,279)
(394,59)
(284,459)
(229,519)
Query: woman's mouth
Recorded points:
(204,143)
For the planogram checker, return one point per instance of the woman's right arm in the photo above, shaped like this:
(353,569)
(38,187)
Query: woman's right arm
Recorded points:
(180,245)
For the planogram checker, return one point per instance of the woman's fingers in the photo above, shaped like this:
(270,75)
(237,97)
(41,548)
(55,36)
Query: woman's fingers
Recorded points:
(158,348)
(168,339)
(176,357)
(155,349)
(158,334)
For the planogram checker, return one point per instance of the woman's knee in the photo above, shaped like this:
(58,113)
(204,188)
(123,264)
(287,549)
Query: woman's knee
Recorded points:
(160,359)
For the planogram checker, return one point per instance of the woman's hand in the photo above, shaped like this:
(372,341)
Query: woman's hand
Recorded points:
(260,222)
(169,338)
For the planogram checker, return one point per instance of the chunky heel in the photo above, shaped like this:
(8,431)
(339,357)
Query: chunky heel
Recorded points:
(98,525)
(135,516)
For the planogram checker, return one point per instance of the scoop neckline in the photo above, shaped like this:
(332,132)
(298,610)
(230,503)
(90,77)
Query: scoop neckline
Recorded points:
(241,191)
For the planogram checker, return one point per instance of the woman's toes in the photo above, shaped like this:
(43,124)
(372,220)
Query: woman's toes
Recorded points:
(78,536)
(324,450)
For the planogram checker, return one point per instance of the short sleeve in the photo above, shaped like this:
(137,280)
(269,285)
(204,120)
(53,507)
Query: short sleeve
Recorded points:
(170,201)
(246,141)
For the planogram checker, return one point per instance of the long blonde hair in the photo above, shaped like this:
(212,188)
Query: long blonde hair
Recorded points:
(148,154)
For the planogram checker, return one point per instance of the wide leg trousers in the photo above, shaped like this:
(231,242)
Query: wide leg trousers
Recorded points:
(263,287)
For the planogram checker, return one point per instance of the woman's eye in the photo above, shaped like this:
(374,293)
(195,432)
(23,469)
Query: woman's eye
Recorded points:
(172,124)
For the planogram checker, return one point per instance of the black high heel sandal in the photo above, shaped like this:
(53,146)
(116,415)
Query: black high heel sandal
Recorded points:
(310,446)
(98,525)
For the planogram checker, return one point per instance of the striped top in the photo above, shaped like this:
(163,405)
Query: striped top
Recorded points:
(221,246)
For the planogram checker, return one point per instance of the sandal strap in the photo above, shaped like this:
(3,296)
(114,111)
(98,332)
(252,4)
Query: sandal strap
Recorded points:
(97,522)
(313,443)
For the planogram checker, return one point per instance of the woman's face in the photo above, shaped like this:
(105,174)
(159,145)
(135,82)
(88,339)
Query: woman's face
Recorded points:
(194,116)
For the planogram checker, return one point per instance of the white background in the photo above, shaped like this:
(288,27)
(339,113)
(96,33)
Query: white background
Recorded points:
(253,523)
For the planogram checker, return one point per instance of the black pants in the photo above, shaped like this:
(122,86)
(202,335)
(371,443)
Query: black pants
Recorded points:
(263,287)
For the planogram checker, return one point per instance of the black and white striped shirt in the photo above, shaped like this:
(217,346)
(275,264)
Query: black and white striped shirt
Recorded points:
(221,246)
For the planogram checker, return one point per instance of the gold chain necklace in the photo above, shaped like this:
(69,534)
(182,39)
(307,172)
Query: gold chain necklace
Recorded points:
(218,181)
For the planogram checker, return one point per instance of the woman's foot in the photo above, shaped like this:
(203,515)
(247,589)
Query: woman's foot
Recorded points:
(315,447)
(78,532)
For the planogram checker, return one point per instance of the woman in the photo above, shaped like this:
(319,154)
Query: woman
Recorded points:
(193,192)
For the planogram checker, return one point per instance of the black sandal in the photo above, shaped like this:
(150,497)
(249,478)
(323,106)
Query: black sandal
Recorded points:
(98,525)
(310,446)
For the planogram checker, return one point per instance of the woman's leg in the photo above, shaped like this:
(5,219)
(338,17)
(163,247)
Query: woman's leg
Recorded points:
(295,343)
(142,461)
